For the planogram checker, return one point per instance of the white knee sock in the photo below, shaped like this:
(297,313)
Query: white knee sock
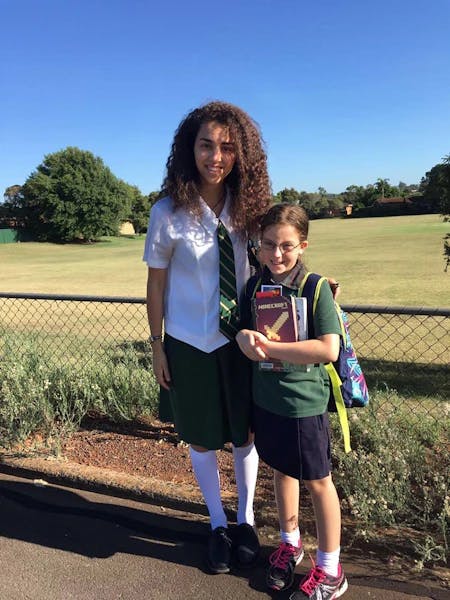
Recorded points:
(291,537)
(246,470)
(328,561)
(206,472)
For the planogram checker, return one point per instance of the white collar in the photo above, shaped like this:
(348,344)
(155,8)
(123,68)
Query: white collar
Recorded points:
(208,218)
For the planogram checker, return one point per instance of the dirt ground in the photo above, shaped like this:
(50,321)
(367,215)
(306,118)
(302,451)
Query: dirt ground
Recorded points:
(152,448)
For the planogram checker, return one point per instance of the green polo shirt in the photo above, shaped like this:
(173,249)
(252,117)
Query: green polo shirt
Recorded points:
(299,393)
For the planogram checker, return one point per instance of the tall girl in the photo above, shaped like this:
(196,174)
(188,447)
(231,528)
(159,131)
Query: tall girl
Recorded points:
(216,182)
(290,413)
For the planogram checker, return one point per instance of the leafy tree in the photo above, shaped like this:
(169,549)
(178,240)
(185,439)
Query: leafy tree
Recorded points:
(73,195)
(9,208)
(140,208)
(385,190)
(336,203)
(445,204)
(12,194)
(307,200)
(360,196)
(435,187)
(322,193)
(288,195)
(354,195)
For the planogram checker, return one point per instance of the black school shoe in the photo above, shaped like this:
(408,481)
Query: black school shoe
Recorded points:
(219,551)
(245,545)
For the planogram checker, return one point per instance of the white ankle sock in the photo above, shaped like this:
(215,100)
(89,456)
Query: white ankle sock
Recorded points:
(291,537)
(246,470)
(206,472)
(329,561)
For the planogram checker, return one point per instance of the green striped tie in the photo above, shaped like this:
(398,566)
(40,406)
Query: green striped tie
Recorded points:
(229,313)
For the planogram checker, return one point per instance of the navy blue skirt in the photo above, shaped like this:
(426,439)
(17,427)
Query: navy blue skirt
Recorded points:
(298,447)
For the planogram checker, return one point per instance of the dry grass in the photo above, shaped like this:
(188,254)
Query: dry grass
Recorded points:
(385,261)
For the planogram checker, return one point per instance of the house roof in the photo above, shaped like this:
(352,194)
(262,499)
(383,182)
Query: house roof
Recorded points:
(394,200)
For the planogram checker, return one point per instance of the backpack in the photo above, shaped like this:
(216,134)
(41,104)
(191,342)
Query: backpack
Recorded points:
(348,388)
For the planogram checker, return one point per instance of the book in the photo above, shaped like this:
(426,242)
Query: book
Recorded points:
(276,290)
(302,328)
(302,318)
(276,317)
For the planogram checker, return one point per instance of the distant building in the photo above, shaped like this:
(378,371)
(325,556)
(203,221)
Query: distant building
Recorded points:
(395,201)
(126,228)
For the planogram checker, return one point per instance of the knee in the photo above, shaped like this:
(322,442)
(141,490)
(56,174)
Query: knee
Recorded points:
(317,487)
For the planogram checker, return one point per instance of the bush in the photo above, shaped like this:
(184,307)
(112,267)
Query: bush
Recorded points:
(39,395)
(397,472)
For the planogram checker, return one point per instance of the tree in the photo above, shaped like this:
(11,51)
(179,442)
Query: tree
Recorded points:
(140,209)
(12,194)
(385,190)
(435,187)
(11,202)
(288,195)
(306,201)
(445,205)
(73,195)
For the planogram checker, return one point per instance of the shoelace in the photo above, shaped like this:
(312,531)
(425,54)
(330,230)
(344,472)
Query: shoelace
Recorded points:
(315,578)
(280,558)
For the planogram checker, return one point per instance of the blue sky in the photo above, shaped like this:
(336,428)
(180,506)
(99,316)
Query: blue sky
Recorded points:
(345,91)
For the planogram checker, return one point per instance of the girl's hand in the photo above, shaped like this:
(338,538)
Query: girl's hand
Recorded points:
(250,344)
(160,365)
(335,287)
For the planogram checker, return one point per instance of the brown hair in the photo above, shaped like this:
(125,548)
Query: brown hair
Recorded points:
(248,181)
(286,213)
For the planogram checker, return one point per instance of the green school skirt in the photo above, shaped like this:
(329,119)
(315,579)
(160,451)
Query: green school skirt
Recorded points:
(210,395)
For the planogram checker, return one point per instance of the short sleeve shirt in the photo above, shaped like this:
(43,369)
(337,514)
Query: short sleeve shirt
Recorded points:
(298,393)
(186,245)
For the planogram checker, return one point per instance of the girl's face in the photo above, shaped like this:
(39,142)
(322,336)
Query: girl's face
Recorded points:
(280,249)
(214,154)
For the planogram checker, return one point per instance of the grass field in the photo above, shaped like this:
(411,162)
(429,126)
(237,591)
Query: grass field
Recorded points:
(382,261)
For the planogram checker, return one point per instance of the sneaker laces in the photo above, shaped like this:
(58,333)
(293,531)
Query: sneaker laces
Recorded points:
(282,555)
(313,580)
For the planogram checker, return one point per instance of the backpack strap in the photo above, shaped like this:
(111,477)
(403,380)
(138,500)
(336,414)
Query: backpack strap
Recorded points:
(336,383)
(255,283)
(310,289)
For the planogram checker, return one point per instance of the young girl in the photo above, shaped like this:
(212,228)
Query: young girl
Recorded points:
(290,412)
(216,182)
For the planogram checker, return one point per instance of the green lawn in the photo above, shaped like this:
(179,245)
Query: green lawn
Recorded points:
(382,261)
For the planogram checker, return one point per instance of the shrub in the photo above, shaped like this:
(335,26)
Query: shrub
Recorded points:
(38,394)
(397,472)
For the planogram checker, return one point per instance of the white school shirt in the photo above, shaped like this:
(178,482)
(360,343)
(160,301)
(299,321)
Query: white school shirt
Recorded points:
(187,246)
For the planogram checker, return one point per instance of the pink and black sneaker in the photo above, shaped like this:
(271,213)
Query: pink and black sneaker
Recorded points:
(283,561)
(317,585)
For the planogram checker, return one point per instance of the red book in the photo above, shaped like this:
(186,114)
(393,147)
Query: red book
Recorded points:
(276,318)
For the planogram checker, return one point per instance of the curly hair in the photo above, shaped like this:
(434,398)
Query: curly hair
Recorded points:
(248,181)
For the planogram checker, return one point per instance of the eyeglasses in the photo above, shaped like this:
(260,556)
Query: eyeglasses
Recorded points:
(284,248)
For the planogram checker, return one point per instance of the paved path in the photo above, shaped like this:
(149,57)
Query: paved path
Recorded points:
(59,543)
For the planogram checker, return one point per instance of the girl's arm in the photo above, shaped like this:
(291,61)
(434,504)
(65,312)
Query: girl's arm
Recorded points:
(321,350)
(156,285)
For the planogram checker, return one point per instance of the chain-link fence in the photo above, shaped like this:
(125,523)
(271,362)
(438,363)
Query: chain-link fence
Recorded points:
(401,349)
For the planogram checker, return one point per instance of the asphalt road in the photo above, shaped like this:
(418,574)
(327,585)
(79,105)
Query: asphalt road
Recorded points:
(60,543)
